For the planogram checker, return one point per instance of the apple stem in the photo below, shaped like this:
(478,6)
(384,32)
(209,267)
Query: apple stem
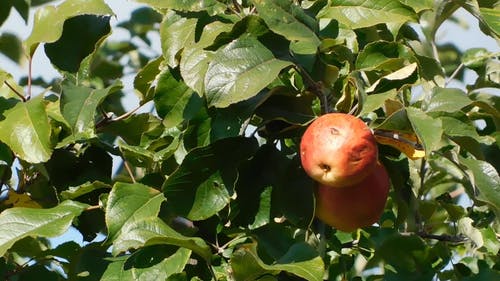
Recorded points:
(317,88)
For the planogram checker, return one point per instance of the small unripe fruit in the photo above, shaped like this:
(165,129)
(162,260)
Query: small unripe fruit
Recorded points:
(338,150)
(356,206)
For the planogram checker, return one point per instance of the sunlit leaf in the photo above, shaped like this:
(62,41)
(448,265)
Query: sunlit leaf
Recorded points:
(129,203)
(428,129)
(153,231)
(300,260)
(195,59)
(211,6)
(239,71)
(23,222)
(176,32)
(118,271)
(446,100)
(26,130)
(358,13)
(287,19)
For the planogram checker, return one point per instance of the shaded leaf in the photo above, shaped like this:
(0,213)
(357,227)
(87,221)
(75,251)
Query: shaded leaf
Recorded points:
(485,178)
(26,130)
(145,79)
(79,105)
(174,100)
(205,176)
(49,20)
(239,71)
(80,37)
(23,222)
(11,46)
(395,80)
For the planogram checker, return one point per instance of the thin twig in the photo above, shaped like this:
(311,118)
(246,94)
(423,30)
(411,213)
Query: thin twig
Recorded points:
(106,120)
(316,87)
(455,73)
(23,98)
(129,170)
(95,207)
(443,237)
(30,71)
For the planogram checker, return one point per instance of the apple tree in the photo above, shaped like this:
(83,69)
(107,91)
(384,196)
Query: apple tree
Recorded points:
(200,179)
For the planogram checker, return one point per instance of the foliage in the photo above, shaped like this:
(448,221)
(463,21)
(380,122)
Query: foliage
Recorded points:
(208,184)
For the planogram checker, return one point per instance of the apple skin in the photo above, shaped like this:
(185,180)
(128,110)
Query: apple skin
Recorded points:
(338,150)
(353,207)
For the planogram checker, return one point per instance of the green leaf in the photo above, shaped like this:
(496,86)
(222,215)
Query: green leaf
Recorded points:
(476,57)
(11,46)
(17,223)
(485,178)
(359,13)
(80,37)
(26,130)
(74,192)
(376,101)
(49,20)
(428,129)
(129,203)
(239,71)
(490,17)
(300,260)
(152,270)
(263,215)
(211,6)
(205,176)
(287,107)
(395,80)
(287,19)
(132,129)
(153,231)
(79,105)
(176,32)
(195,59)
(446,100)
(418,5)
(174,100)
(385,56)
(145,78)
(211,197)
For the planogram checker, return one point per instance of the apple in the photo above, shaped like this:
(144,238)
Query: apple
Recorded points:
(356,206)
(338,150)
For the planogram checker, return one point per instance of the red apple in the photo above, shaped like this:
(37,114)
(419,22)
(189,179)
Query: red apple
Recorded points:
(355,206)
(338,150)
